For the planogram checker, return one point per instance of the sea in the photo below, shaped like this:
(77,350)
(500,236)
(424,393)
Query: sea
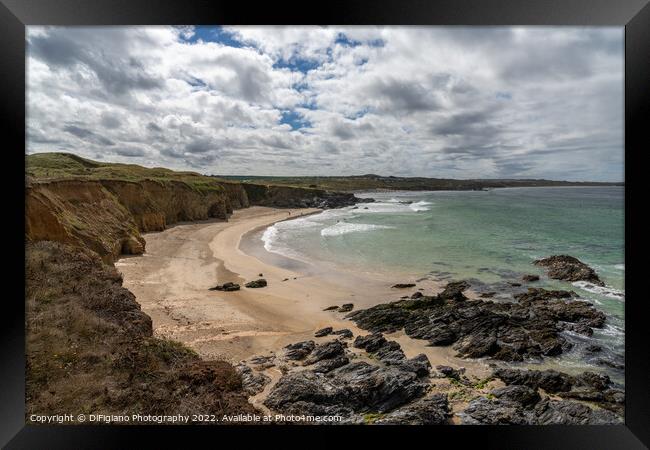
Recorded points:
(489,238)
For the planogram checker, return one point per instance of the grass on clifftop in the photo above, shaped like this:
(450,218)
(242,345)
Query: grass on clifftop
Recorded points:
(66,166)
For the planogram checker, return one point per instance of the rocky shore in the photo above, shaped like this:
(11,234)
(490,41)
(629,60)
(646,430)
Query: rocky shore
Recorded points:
(370,380)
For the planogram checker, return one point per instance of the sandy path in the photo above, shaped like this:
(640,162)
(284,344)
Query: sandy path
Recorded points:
(172,278)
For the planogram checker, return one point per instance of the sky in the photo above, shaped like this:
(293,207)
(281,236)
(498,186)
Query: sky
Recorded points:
(446,102)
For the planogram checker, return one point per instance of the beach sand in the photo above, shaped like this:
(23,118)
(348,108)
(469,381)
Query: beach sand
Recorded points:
(171,282)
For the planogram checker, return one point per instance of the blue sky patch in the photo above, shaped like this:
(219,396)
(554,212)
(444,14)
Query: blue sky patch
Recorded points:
(297,64)
(295,120)
(213,33)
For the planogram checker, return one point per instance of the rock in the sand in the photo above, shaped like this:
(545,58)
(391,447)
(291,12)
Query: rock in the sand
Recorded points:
(353,388)
(260,275)
(344,333)
(450,372)
(432,410)
(328,350)
(594,349)
(568,268)
(228,287)
(331,308)
(323,332)
(488,294)
(520,394)
(299,350)
(530,278)
(417,295)
(252,382)
(403,285)
(327,365)
(454,291)
(346,307)
(256,283)
(370,343)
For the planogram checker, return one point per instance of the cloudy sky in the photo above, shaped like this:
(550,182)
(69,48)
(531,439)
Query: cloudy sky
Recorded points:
(409,101)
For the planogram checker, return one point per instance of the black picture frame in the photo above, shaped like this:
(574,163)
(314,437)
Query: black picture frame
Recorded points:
(634,15)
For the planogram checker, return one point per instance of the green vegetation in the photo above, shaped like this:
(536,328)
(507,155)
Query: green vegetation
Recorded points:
(370,418)
(377,182)
(66,166)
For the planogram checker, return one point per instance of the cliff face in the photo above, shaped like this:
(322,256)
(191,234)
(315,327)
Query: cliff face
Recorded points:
(90,348)
(107,216)
(297,197)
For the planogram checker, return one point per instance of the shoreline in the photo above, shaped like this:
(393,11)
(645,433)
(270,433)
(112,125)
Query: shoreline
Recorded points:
(172,278)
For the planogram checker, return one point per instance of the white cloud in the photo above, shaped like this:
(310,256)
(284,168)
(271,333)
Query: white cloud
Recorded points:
(422,101)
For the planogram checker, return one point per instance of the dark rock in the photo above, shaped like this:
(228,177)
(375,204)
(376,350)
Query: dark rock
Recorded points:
(403,285)
(256,284)
(327,365)
(450,372)
(327,350)
(432,410)
(344,333)
(371,342)
(260,275)
(417,295)
(419,365)
(299,350)
(252,382)
(263,362)
(331,308)
(550,380)
(568,268)
(594,348)
(519,394)
(483,411)
(528,328)
(454,291)
(549,412)
(353,388)
(346,307)
(323,332)
(227,287)
(487,294)
(530,278)
(535,294)
(514,284)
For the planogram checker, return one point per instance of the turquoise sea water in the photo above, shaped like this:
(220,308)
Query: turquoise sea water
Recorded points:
(489,237)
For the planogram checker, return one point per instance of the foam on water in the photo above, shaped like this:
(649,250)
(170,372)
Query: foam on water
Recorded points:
(345,228)
(420,206)
(605,291)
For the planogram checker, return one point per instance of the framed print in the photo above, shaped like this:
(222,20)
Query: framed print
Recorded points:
(362,218)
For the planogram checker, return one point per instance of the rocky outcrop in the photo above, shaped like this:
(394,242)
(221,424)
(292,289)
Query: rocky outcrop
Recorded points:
(568,268)
(333,384)
(295,197)
(510,331)
(587,386)
(89,346)
(519,402)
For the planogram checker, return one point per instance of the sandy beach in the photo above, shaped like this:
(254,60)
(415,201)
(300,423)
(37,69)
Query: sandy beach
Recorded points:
(171,282)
